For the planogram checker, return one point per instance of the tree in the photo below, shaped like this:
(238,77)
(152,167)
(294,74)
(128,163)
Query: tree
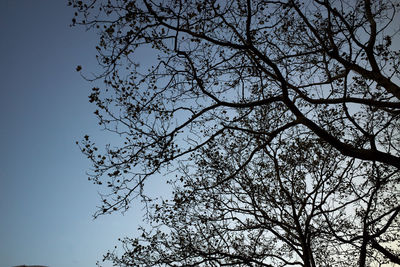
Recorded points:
(280,116)
(283,209)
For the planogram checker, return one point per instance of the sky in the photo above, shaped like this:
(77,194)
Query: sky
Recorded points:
(46,201)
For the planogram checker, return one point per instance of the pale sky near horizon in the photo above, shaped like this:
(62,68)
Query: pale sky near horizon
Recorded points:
(46,201)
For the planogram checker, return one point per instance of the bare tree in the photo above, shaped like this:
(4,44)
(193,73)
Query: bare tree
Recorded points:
(299,202)
(239,91)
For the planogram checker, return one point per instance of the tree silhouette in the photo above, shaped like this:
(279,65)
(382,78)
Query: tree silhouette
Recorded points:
(281,117)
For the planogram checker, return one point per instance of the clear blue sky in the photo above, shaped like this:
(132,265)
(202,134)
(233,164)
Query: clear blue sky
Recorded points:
(46,201)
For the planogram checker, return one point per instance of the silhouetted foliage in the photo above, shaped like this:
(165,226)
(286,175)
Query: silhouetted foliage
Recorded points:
(281,119)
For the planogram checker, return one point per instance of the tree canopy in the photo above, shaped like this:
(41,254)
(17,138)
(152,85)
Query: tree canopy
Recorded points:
(281,120)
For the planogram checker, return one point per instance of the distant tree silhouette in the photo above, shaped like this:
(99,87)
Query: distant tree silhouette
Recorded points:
(282,119)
